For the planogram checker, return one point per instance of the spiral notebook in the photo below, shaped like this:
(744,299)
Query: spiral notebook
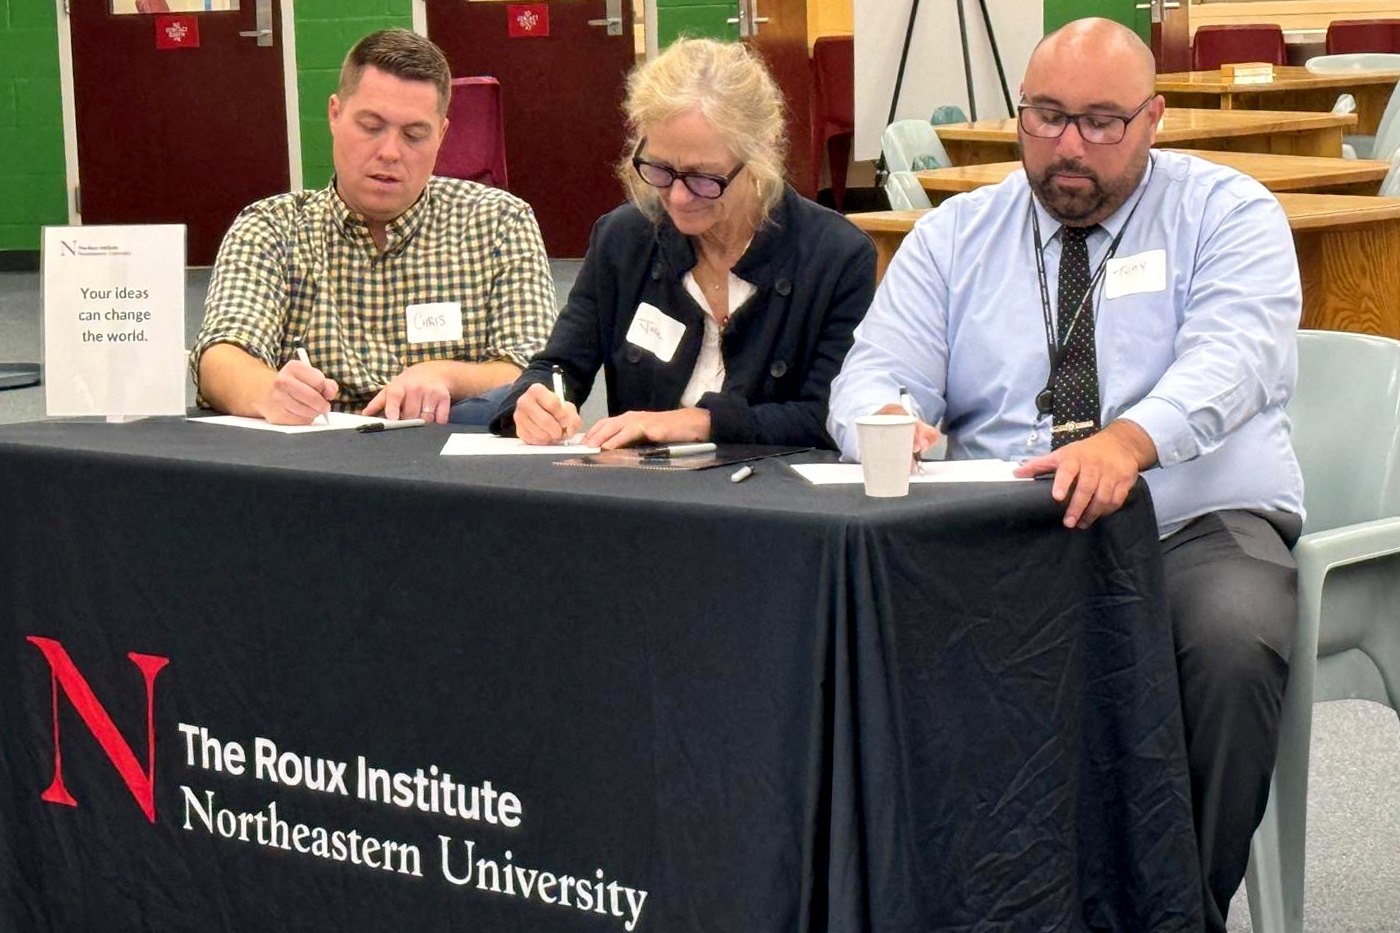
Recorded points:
(723,455)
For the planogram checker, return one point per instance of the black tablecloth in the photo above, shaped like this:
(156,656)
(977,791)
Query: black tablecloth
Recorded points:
(769,706)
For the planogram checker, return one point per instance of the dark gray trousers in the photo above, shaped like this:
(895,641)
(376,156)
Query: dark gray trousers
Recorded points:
(1232,585)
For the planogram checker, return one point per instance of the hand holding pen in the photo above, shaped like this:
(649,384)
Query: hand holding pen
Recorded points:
(925,435)
(545,417)
(298,393)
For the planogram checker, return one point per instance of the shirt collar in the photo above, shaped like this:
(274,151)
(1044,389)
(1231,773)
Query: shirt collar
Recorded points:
(1111,225)
(399,231)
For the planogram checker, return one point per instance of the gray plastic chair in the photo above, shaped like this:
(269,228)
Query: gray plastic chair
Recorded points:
(948,113)
(905,192)
(1356,61)
(1390,185)
(1346,431)
(906,140)
(1387,138)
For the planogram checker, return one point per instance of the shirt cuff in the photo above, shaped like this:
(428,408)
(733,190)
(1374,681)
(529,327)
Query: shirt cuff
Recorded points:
(1167,426)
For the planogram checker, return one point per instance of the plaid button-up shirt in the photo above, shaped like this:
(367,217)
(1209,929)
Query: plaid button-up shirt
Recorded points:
(301,269)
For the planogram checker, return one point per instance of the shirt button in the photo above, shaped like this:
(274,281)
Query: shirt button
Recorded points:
(634,355)
(778,370)
(783,287)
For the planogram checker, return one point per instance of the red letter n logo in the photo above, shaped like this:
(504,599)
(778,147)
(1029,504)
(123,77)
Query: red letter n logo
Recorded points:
(63,673)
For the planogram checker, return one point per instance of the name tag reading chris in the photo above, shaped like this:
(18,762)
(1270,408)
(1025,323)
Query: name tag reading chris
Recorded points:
(1134,275)
(655,331)
(431,323)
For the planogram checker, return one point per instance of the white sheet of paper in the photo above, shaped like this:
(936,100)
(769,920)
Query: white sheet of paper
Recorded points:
(655,331)
(430,323)
(486,445)
(935,471)
(1134,275)
(339,421)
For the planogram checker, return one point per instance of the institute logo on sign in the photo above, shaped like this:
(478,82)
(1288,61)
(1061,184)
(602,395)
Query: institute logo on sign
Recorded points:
(528,20)
(177,32)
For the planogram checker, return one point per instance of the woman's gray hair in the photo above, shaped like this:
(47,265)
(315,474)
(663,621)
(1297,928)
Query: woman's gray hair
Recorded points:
(729,86)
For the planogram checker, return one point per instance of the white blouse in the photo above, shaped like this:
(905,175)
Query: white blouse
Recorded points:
(708,374)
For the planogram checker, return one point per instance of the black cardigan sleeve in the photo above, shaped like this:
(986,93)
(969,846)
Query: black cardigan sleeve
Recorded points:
(576,343)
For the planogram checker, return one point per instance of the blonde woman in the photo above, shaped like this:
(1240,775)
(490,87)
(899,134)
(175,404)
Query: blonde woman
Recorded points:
(718,301)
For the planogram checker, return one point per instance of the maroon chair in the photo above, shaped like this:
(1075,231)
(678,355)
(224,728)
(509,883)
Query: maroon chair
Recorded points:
(833,108)
(1345,36)
(1254,42)
(475,145)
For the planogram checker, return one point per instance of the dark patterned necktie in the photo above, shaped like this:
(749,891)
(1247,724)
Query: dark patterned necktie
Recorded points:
(1076,380)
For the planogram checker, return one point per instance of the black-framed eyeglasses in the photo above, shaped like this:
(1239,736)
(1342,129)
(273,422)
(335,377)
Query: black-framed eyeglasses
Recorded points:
(1102,129)
(700,184)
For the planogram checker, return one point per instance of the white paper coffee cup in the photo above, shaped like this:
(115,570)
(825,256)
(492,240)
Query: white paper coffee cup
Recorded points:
(886,452)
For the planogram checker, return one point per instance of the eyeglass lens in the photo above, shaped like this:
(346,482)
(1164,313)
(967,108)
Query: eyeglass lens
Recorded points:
(658,176)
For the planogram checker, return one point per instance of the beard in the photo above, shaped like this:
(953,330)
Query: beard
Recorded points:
(1081,204)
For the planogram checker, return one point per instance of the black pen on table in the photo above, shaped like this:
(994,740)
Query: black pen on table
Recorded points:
(678,450)
(377,426)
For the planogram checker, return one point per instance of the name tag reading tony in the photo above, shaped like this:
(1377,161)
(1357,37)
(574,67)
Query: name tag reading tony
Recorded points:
(431,323)
(656,332)
(1134,275)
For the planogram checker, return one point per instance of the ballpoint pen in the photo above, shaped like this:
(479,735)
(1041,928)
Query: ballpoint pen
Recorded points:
(557,375)
(390,425)
(677,450)
(907,404)
(301,355)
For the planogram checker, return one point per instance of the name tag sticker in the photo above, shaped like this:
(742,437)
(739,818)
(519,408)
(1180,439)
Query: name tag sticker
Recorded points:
(656,332)
(435,322)
(1134,275)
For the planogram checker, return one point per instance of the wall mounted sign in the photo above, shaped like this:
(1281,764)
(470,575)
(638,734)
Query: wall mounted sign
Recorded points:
(177,32)
(527,20)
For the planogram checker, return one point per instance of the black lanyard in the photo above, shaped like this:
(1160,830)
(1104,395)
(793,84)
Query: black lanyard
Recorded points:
(1045,398)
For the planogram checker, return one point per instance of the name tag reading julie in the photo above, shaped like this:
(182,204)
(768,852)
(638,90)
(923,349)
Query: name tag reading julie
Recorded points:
(655,331)
(1136,275)
(431,323)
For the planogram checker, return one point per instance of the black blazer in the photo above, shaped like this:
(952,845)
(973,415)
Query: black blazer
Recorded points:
(815,276)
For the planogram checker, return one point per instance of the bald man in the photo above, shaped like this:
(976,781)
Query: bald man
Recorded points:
(1109,312)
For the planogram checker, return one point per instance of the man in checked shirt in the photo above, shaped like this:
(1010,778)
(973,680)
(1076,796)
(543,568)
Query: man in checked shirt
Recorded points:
(408,292)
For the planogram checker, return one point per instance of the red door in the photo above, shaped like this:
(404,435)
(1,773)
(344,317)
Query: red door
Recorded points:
(189,135)
(1171,34)
(562,95)
(778,29)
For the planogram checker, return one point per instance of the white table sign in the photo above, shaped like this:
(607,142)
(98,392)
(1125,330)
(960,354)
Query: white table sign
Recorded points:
(114,320)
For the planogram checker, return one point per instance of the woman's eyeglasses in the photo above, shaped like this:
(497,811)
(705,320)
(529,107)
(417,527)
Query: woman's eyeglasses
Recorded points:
(700,184)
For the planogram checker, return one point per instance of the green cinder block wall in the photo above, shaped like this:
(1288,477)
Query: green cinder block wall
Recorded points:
(675,18)
(1059,12)
(32,172)
(325,31)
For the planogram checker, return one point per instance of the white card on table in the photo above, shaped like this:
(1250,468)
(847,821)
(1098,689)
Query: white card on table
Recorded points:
(1134,275)
(432,323)
(114,320)
(655,331)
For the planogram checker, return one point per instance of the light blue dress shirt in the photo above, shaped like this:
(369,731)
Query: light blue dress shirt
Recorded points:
(1205,365)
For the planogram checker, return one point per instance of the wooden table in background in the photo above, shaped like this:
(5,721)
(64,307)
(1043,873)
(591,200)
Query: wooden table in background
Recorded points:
(1276,131)
(1314,174)
(1348,257)
(1293,88)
